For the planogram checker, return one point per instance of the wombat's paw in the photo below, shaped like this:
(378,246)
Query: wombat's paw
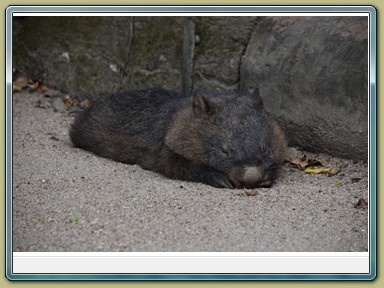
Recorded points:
(221,181)
(290,154)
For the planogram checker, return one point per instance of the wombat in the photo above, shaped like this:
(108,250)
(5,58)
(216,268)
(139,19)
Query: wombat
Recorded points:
(223,139)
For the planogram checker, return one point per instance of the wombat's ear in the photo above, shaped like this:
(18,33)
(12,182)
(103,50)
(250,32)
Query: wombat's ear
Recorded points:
(257,101)
(200,105)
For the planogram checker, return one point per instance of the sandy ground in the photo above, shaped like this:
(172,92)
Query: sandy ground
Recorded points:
(67,199)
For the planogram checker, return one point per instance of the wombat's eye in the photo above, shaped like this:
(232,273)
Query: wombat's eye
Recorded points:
(225,151)
(264,150)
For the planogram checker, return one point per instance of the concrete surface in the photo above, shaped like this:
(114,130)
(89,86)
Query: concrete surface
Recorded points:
(119,207)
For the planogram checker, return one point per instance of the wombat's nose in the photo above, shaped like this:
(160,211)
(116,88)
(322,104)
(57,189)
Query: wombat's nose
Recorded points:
(249,177)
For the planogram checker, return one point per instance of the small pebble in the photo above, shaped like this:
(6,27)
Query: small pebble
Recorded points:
(58,104)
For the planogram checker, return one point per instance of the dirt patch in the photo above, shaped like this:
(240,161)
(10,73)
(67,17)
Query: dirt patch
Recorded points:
(67,199)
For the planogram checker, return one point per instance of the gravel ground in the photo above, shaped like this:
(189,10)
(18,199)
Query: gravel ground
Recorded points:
(67,199)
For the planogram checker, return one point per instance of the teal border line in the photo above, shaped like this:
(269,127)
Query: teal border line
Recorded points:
(374,155)
(197,9)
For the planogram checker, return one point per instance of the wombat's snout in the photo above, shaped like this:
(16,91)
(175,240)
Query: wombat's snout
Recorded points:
(249,177)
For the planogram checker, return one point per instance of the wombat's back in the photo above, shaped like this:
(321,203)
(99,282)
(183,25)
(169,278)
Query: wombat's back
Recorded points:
(126,126)
(224,139)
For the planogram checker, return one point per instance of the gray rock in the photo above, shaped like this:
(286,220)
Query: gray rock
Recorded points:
(222,43)
(58,104)
(312,72)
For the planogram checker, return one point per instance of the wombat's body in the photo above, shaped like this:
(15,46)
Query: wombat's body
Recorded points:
(221,139)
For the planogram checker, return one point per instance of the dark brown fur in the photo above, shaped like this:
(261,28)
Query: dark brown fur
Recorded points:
(221,139)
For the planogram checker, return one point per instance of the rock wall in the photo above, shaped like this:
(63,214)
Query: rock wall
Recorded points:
(81,56)
(312,71)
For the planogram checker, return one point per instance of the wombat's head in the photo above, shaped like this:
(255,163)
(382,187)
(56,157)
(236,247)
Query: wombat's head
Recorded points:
(231,134)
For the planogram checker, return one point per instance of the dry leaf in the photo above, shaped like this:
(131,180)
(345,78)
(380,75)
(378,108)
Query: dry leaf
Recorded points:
(300,162)
(356,178)
(68,100)
(361,203)
(23,82)
(328,171)
(316,162)
(43,103)
(74,219)
(85,103)
(333,171)
(251,192)
(311,170)
(40,88)
(310,166)
(304,162)
(16,89)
